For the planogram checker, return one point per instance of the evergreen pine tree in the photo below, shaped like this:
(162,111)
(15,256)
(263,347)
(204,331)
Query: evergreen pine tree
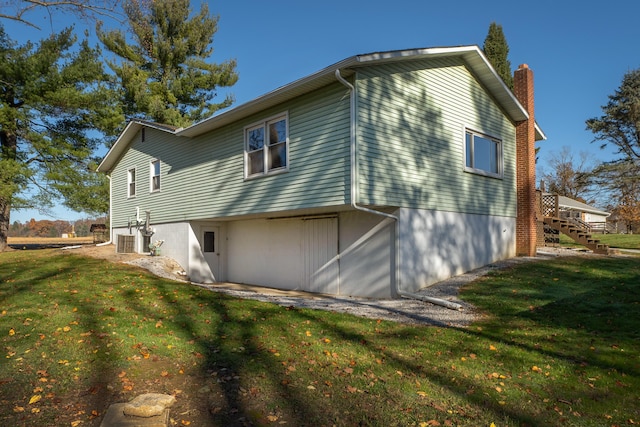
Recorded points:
(165,74)
(54,100)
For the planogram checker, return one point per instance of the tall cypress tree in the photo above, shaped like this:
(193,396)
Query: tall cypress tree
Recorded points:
(164,72)
(497,50)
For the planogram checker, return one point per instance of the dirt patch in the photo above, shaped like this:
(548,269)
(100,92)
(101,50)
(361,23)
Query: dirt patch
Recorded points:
(159,265)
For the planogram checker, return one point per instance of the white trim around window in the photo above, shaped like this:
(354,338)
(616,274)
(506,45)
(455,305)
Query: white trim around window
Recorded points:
(131,182)
(154,175)
(266,147)
(482,153)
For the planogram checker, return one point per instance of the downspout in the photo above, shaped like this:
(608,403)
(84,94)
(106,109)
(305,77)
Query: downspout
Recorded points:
(394,218)
(110,215)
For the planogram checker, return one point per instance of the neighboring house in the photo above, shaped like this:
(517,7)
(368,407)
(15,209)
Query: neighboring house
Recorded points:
(575,209)
(566,207)
(384,172)
(590,218)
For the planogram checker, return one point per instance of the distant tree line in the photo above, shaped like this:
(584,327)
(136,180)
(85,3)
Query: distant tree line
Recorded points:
(47,228)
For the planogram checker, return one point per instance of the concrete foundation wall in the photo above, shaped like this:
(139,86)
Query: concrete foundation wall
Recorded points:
(349,253)
(437,245)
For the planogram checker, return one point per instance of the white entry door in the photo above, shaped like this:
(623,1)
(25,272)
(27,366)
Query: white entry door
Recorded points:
(211,249)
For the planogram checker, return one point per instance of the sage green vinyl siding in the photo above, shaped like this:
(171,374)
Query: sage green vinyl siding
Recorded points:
(203,177)
(411,120)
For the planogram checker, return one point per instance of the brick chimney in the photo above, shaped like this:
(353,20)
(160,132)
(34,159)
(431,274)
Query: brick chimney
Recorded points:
(525,165)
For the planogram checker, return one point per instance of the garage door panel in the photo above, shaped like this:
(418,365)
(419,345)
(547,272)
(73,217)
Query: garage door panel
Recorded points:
(320,248)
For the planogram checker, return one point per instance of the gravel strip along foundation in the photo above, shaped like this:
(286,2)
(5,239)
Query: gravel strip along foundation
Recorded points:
(398,310)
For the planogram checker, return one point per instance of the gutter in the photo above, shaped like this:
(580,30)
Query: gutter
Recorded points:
(394,218)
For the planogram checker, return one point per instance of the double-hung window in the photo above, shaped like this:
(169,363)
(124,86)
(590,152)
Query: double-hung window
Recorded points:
(131,183)
(155,175)
(483,154)
(266,147)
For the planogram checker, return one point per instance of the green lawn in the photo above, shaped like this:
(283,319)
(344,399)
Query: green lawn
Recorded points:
(559,345)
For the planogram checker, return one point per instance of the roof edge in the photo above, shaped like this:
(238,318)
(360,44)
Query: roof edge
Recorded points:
(123,141)
(472,54)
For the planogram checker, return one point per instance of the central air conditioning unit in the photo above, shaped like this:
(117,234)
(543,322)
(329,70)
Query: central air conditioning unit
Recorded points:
(125,244)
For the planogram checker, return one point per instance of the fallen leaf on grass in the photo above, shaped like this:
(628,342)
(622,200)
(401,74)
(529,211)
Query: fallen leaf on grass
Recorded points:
(12,332)
(34,399)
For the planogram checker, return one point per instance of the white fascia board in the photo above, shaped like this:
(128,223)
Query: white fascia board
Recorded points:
(540,135)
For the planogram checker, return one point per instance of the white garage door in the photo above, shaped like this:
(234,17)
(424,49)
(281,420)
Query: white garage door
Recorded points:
(320,249)
(285,254)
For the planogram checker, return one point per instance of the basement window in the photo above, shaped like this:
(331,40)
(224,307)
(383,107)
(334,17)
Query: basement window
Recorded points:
(483,154)
(266,147)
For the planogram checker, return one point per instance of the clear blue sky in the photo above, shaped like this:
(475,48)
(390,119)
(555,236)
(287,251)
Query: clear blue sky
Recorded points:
(578,50)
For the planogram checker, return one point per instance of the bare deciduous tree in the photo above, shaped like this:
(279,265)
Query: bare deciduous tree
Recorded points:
(566,174)
(23,10)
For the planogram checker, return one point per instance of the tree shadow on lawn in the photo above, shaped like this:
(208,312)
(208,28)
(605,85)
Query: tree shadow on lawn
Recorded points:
(572,300)
(248,381)
(250,363)
(243,366)
(239,346)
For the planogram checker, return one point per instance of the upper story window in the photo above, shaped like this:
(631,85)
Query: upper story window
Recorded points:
(266,147)
(131,183)
(483,154)
(155,175)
